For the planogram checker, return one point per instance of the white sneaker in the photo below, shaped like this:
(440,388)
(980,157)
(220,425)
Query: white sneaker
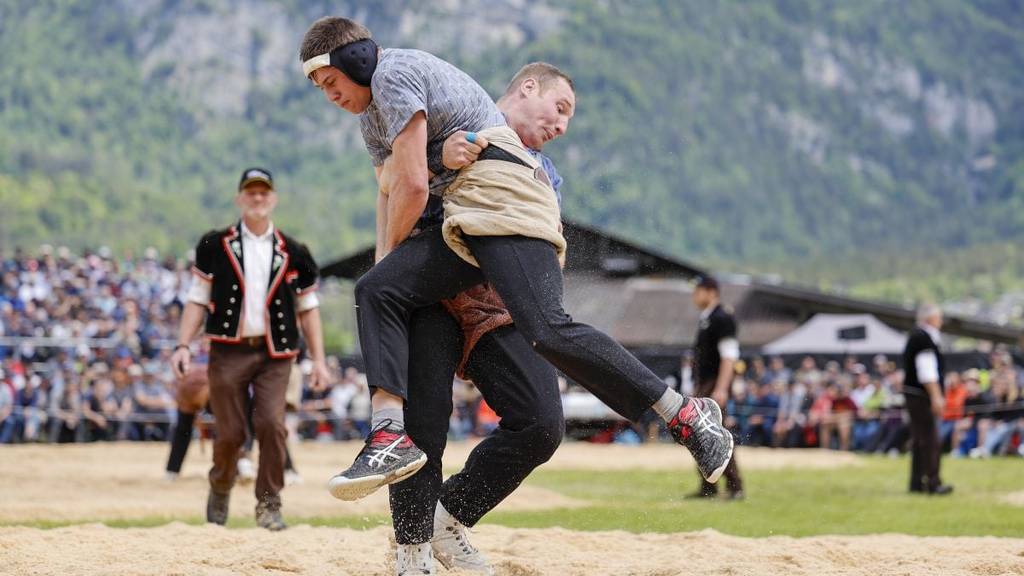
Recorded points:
(451,545)
(291,478)
(246,471)
(414,560)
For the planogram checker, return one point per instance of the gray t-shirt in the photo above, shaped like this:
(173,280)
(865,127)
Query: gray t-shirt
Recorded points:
(407,81)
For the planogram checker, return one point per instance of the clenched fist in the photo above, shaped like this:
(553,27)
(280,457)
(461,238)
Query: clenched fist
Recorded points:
(459,152)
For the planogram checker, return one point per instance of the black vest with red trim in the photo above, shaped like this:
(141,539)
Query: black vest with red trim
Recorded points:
(918,340)
(293,273)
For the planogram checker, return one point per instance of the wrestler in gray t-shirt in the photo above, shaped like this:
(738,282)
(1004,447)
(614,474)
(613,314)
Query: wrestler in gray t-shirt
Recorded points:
(407,81)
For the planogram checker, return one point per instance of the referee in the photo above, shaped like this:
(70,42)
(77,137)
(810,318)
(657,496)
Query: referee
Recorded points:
(254,290)
(923,366)
(715,353)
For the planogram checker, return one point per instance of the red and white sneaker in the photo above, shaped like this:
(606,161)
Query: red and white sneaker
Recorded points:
(698,426)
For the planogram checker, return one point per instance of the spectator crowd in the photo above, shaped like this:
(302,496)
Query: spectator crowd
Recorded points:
(85,341)
(849,405)
(84,346)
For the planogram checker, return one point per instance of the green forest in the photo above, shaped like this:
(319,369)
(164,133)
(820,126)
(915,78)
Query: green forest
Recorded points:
(873,146)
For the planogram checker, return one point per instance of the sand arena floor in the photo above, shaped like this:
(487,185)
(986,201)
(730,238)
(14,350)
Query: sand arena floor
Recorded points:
(124,481)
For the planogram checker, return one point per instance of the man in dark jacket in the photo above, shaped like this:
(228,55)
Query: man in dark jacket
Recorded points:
(255,287)
(923,365)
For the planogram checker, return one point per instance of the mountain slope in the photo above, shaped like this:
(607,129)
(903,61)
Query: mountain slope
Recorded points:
(746,134)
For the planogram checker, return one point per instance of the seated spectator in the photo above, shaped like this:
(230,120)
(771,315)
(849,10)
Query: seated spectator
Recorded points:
(465,400)
(844,412)
(341,398)
(808,372)
(833,413)
(863,395)
(764,413)
(863,386)
(793,406)
(965,432)
(832,372)
(881,365)
(359,408)
(777,370)
(758,372)
(983,408)
(739,408)
(66,413)
(8,423)
(316,413)
(820,415)
(30,408)
(153,404)
(123,399)
(894,429)
(1005,417)
(953,411)
(99,410)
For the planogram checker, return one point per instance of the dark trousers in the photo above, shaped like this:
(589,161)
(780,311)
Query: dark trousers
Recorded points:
(181,437)
(733,482)
(525,272)
(517,383)
(925,452)
(232,369)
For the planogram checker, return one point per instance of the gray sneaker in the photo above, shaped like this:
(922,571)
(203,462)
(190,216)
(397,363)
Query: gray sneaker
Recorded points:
(268,514)
(414,560)
(217,507)
(452,548)
(698,426)
(389,456)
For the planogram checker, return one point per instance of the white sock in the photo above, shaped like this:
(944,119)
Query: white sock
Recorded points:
(669,405)
(396,415)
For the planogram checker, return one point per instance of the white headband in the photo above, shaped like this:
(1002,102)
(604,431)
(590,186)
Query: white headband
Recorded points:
(315,63)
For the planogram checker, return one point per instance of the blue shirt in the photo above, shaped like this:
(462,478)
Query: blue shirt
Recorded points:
(549,167)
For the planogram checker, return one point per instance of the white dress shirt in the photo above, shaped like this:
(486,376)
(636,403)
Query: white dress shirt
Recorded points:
(256,253)
(926,362)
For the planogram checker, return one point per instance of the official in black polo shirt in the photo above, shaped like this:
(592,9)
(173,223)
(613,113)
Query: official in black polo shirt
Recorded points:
(922,388)
(255,286)
(714,356)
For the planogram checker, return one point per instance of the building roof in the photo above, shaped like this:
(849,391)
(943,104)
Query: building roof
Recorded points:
(590,249)
(641,297)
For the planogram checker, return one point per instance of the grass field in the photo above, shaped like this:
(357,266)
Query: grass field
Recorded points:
(859,500)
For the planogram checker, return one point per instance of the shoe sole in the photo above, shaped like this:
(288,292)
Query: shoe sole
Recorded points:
(717,473)
(351,489)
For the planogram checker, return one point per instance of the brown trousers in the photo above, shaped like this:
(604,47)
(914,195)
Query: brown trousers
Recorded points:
(233,367)
(733,482)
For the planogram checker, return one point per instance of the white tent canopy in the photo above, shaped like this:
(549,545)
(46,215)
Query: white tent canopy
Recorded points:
(840,334)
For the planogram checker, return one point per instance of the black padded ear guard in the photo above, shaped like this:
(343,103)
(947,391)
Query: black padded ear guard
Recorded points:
(357,60)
